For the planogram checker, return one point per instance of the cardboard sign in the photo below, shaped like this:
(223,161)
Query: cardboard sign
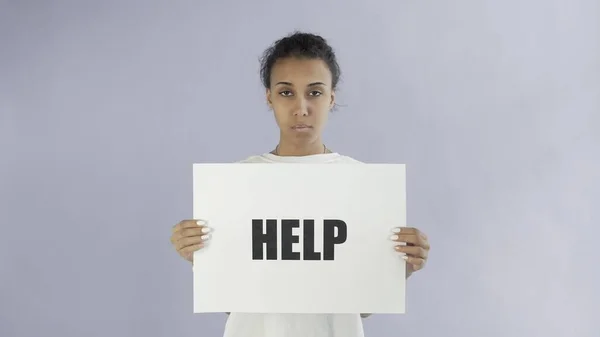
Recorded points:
(299,238)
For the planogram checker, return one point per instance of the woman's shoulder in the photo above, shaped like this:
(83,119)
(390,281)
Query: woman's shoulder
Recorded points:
(327,158)
(349,160)
(258,158)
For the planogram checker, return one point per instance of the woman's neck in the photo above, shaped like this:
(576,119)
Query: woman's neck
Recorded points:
(286,149)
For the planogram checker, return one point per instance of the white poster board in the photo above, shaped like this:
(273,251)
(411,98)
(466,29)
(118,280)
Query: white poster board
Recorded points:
(353,267)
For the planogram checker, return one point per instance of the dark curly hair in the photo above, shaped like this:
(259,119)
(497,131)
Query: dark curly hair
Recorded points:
(301,45)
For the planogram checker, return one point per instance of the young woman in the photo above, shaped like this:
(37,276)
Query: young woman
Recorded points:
(300,74)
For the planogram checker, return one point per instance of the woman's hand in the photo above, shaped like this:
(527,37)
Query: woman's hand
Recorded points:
(189,236)
(414,247)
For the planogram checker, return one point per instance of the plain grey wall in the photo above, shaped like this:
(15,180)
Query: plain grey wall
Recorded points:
(493,105)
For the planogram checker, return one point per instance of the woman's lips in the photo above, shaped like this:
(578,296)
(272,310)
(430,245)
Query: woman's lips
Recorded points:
(301,127)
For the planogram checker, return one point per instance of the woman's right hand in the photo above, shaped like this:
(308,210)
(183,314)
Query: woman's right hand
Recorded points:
(189,236)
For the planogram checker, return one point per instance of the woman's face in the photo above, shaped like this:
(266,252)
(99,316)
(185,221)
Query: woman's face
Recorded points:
(301,98)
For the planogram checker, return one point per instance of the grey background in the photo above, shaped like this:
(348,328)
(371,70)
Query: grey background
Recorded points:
(105,105)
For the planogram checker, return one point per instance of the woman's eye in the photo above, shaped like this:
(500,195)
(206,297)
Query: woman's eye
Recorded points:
(286,93)
(315,93)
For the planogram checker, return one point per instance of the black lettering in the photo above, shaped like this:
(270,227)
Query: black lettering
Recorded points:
(259,239)
(288,239)
(329,237)
(308,242)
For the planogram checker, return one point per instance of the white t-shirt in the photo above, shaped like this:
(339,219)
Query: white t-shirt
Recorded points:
(295,325)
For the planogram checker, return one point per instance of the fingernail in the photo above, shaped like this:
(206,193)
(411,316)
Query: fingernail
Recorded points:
(205,237)
(400,253)
(201,222)
(404,257)
(396,230)
(206,230)
(394,237)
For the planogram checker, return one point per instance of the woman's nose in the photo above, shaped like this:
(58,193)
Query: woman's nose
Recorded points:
(301,108)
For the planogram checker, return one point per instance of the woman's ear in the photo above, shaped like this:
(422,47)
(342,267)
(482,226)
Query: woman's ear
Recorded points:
(268,98)
(332,103)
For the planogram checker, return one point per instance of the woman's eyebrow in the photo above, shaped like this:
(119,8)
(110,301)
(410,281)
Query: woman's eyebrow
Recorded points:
(310,85)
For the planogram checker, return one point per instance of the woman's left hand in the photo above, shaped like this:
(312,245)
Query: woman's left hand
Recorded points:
(413,245)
